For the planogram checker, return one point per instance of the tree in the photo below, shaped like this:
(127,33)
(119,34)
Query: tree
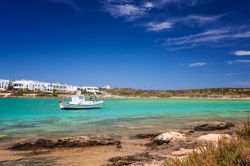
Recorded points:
(10,87)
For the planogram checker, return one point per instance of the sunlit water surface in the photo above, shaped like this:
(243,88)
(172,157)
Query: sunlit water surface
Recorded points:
(21,117)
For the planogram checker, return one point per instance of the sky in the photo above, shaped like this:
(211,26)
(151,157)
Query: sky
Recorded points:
(144,44)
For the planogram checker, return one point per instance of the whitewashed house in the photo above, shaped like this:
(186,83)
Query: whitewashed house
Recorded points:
(91,89)
(64,88)
(23,85)
(43,87)
(31,85)
(4,84)
(71,89)
(59,88)
(106,87)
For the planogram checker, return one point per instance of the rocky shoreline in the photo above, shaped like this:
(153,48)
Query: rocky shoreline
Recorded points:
(66,142)
(146,148)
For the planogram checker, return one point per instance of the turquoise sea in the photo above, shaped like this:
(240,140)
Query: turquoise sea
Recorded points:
(23,117)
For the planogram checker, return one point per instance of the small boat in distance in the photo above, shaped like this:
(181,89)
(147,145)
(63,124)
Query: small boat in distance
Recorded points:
(78,102)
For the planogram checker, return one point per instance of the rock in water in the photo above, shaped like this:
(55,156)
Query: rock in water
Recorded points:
(213,126)
(67,142)
(169,136)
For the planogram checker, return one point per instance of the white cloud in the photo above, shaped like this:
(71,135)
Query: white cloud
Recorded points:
(132,9)
(242,53)
(153,17)
(211,36)
(178,3)
(149,5)
(127,9)
(183,47)
(189,20)
(159,26)
(241,61)
(199,64)
(200,19)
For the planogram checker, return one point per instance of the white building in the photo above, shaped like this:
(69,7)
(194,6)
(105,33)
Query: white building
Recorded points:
(64,88)
(106,87)
(23,85)
(43,87)
(71,89)
(59,87)
(4,84)
(91,89)
(31,85)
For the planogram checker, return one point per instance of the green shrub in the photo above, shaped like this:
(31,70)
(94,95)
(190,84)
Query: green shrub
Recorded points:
(243,130)
(18,93)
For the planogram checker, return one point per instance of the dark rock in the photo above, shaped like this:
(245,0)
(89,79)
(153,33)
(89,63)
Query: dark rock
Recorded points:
(67,142)
(182,145)
(190,132)
(160,142)
(85,141)
(156,143)
(119,146)
(173,145)
(22,146)
(213,126)
(31,161)
(146,135)
(151,144)
(139,158)
(44,143)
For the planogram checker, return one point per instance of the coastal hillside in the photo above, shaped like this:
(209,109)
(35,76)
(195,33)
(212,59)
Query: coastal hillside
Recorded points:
(139,93)
(202,93)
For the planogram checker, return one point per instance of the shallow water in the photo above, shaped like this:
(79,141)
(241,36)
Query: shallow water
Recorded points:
(22,117)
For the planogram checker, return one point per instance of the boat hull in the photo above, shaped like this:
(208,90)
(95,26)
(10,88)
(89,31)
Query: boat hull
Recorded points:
(81,106)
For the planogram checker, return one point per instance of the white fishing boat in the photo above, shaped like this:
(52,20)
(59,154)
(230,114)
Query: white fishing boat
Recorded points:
(78,102)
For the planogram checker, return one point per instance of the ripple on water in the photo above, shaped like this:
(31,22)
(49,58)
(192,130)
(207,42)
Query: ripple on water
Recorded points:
(52,120)
(38,117)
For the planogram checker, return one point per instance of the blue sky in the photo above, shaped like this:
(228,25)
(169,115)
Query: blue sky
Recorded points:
(164,44)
